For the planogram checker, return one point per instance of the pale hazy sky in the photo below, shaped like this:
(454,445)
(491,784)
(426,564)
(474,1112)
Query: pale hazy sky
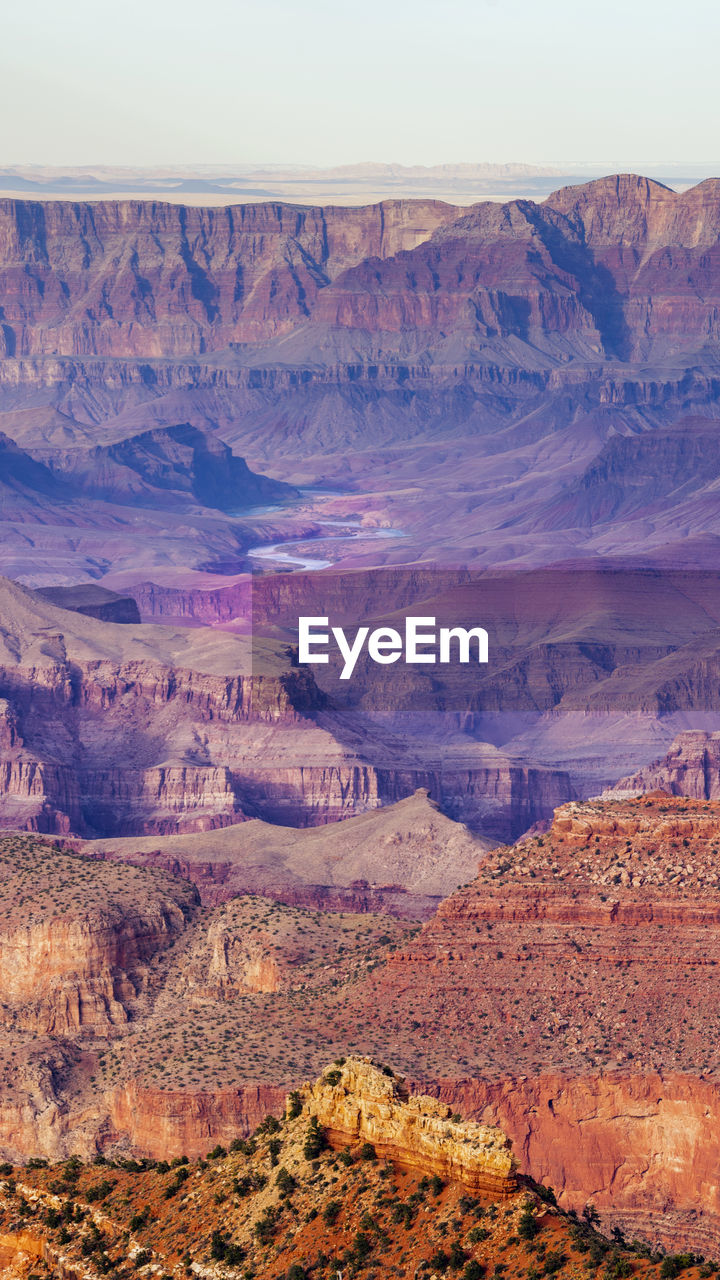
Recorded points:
(327,82)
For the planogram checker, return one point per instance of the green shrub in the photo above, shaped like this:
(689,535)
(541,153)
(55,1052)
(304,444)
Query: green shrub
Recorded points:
(458,1255)
(285,1182)
(314,1140)
(618,1267)
(265,1227)
(331,1212)
(404,1213)
(223,1249)
(546,1194)
(553,1262)
(71,1172)
(246,1146)
(674,1263)
(440,1261)
(99,1190)
(474,1270)
(362,1245)
(597,1250)
(528,1225)
(181,1175)
(294,1105)
(140,1220)
(270,1124)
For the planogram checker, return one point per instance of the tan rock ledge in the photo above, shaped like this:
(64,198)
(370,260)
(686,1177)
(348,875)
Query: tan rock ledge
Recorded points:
(359,1102)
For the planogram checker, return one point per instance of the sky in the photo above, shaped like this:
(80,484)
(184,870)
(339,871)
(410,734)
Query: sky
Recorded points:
(150,82)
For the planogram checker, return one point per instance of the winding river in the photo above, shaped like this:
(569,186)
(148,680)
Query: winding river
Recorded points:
(281,552)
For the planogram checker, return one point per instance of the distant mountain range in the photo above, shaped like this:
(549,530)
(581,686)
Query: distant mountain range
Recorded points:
(311,184)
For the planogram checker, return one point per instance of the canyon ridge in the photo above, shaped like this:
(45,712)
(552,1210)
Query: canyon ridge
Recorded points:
(489,898)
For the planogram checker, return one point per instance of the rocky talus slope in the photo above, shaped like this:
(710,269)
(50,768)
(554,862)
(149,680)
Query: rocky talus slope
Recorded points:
(284,1203)
(572,986)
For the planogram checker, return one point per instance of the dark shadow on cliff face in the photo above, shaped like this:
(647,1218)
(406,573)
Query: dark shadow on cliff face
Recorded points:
(597,290)
(94,602)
